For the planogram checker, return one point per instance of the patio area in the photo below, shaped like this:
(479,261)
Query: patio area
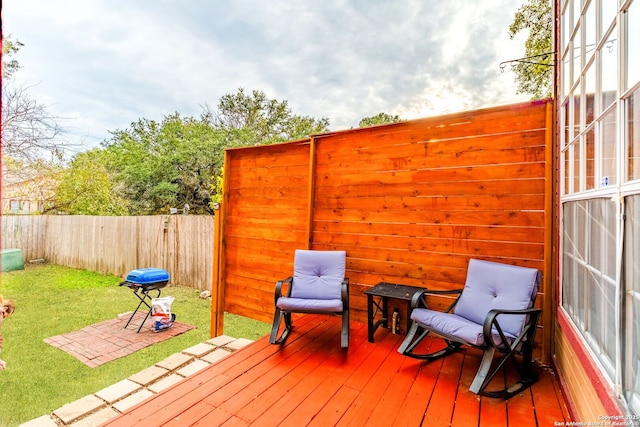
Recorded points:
(311,381)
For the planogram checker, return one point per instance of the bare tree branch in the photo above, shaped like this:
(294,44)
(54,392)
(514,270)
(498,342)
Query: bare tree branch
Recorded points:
(29,131)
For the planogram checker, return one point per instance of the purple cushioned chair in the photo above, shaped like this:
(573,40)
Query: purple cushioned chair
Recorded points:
(318,285)
(494,312)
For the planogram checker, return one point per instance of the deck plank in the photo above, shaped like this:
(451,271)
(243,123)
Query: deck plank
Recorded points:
(252,383)
(467,409)
(311,381)
(192,415)
(292,388)
(550,406)
(378,381)
(442,403)
(414,407)
(328,387)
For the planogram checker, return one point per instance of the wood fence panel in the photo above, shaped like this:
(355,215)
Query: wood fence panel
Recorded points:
(265,219)
(194,250)
(26,233)
(410,203)
(183,245)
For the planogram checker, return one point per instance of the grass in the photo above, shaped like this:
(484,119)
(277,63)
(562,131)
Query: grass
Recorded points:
(52,300)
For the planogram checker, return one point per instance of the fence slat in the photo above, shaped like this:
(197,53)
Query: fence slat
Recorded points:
(183,245)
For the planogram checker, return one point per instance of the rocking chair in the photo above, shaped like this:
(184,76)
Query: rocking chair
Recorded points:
(318,286)
(494,312)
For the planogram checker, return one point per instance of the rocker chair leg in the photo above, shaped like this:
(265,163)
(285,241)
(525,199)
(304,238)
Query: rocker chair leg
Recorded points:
(483,377)
(480,381)
(277,320)
(344,336)
(411,341)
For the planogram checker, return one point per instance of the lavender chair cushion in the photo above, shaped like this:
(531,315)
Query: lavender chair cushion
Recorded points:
(320,305)
(492,285)
(454,326)
(318,275)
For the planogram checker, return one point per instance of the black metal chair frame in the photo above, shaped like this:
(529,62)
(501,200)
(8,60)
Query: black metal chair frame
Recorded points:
(286,314)
(521,345)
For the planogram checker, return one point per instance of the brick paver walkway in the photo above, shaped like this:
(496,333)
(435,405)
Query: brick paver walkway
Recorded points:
(109,340)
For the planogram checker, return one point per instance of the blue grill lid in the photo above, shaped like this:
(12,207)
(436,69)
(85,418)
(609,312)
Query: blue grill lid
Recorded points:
(144,276)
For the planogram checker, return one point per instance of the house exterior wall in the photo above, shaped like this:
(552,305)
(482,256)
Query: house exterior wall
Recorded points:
(24,192)
(597,329)
(24,198)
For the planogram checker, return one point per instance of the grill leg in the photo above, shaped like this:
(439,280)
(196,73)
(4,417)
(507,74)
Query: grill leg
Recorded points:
(142,296)
(146,295)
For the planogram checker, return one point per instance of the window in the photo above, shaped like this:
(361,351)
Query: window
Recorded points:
(609,156)
(590,267)
(609,9)
(577,53)
(590,91)
(600,166)
(633,44)
(633,150)
(590,30)
(609,73)
(632,261)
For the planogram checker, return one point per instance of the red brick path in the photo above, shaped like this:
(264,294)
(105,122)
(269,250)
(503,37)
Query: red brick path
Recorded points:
(109,340)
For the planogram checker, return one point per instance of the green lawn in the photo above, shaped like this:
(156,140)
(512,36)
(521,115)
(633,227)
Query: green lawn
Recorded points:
(52,300)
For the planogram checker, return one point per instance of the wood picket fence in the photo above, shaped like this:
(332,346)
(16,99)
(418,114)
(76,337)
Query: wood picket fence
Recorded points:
(182,245)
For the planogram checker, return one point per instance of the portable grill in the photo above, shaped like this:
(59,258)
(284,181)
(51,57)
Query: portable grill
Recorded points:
(143,281)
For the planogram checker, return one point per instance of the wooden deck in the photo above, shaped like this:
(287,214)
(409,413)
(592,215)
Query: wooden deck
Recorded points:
(311,381)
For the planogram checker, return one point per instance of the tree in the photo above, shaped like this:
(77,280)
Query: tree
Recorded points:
(29,131)
(254,119)
(378,119)
(154,166)
(86,188)
(9,64)
(157,166)
(534,75)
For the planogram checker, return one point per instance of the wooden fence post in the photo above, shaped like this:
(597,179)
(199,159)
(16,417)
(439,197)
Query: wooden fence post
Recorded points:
(217,286)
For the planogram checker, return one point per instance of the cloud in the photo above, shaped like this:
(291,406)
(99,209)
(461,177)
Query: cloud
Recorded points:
(108,63)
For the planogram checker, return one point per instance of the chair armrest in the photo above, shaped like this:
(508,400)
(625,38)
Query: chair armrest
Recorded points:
(279,284)
(528,328)
(344,293)
(418,299)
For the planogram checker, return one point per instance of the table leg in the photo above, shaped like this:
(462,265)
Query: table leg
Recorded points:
(370,329)
(385,313)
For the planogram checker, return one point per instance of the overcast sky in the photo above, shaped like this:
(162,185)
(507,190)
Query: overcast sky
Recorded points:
(103,64)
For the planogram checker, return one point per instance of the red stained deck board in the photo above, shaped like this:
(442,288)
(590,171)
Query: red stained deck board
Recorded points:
(288,392)
(192,415)
(520,408)
(310,380)
(493,412)
(394,396)
(412,411)
(228,377)
(253,382)
(550,406)
(442,403)
(306,394)
(377,387)
(467,403)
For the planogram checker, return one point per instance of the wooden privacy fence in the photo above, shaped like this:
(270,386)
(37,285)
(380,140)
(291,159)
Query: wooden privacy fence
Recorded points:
(182,245)
(410,203)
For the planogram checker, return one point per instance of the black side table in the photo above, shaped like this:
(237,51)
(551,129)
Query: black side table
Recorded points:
(384,291)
